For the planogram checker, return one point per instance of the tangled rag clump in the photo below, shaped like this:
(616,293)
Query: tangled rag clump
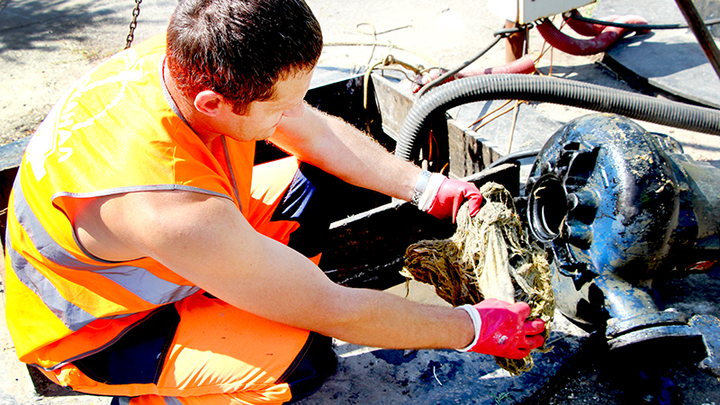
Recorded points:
(489,256)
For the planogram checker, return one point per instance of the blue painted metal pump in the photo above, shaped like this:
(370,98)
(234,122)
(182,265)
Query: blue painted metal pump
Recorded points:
(614,205)
(617,206)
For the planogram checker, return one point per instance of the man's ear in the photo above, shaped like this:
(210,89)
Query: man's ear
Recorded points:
(209,102)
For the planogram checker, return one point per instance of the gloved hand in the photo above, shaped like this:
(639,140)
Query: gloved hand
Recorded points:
(442,197)
(502,329)
(451,195)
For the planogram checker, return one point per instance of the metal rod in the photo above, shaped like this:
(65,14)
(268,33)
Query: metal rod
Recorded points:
(702,33)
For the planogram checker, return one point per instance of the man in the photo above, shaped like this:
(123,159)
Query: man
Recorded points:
(146,257)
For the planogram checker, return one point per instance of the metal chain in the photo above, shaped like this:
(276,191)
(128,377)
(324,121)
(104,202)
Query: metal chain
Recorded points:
(133,24)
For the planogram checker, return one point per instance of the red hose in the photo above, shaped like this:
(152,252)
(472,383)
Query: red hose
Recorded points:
(524,65)
(583,47)
(584,28)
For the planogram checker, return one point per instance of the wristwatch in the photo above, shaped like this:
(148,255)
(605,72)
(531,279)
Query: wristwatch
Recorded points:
(420,187)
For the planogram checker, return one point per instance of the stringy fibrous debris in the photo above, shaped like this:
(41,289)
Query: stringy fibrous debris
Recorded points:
(489,256)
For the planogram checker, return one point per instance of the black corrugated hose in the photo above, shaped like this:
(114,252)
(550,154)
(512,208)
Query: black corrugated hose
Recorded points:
(551,90)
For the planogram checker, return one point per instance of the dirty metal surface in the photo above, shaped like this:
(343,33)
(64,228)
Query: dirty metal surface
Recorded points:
(709,327)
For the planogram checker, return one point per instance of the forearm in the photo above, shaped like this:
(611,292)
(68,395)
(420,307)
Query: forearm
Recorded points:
(361,316)
(340,149)
(378,319)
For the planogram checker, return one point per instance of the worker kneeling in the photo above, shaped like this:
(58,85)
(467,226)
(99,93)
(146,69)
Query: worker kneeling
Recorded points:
(147,258)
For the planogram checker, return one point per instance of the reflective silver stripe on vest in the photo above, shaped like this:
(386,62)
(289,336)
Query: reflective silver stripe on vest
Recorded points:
(71,315)
(137,280)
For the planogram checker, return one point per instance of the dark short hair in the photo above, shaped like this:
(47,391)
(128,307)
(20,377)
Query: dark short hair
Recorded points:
(240,48)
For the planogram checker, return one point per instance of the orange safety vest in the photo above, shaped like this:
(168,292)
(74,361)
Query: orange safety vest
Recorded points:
(115,131)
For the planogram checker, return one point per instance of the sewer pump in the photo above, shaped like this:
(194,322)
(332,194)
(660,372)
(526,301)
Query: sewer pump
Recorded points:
(614,205)
(617,206)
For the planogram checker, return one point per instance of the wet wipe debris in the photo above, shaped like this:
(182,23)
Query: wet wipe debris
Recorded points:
(488,256)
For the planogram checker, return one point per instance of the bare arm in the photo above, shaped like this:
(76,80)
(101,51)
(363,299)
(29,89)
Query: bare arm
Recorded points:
(340,149)
(206,240)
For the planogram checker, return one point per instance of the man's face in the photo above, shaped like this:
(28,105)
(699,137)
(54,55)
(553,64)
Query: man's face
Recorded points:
(261,118)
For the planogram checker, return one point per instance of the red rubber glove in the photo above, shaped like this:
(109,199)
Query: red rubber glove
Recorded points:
(504,330)
(451,195)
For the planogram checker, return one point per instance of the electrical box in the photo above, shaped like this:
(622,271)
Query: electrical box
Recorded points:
(527,11)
